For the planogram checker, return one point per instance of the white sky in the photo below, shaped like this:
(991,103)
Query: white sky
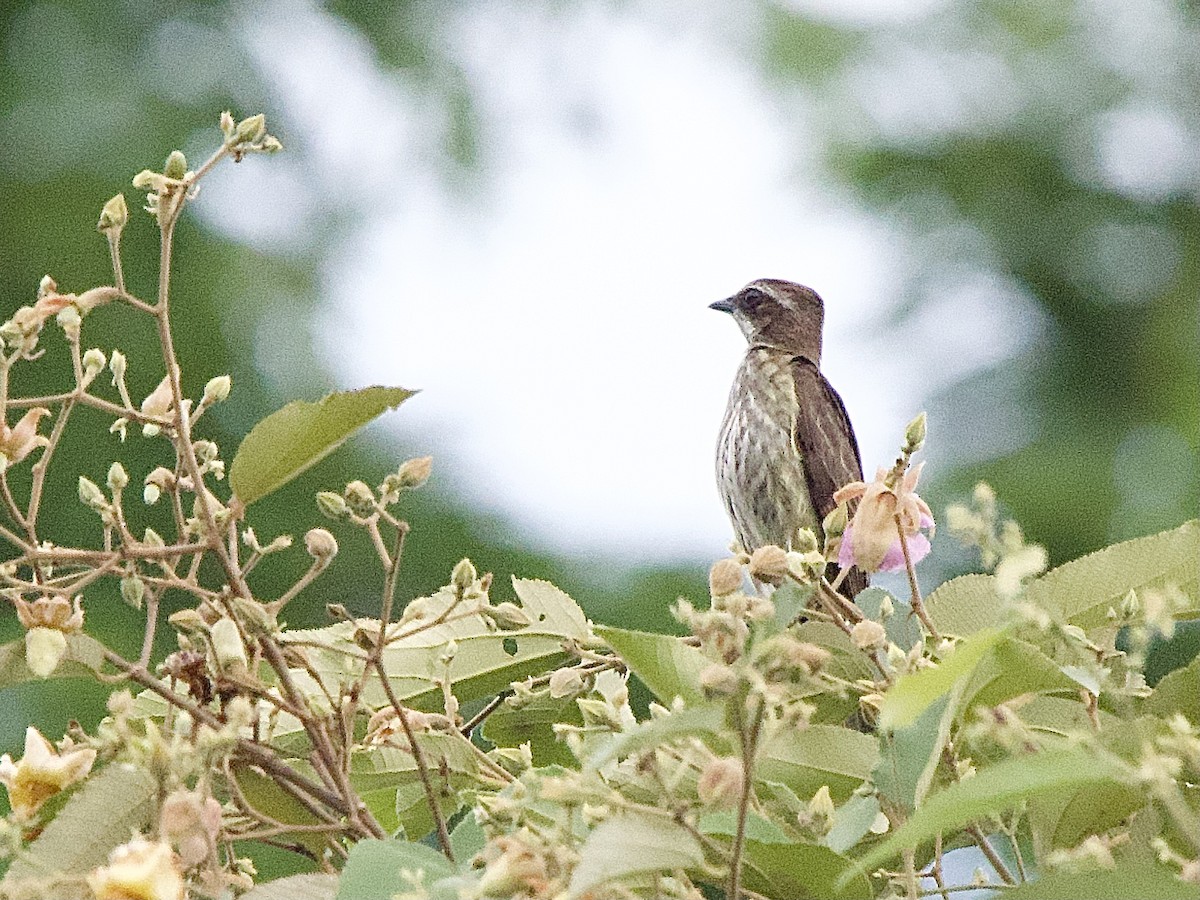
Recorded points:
(554,311)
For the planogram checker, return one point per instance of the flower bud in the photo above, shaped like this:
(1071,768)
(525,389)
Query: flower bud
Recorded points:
(914,434)
(150,494)
(718,679)
(360,499)
(228,125)
(769,564)
(270,144)
(566,682)
(724,578)
(835,523)
(227,645)
(152,538)
(320,544)
(116,364)
(118,478)
(463,576)
(508,616)
(1131,606)
(255,618)
(250,129)
(887,608)
(93,363)
(44,650)
(332,506)
(805,541)
(821,809)
(133,590)
(114,215)
(90,494)
(176,165)
(868,634)
(721,783)
(217,389)
(415,472)
(188,621)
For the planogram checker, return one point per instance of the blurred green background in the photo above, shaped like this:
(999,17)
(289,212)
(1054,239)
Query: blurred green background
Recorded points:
(1070,169)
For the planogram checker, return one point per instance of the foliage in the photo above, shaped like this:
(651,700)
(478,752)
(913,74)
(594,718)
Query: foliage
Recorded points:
(799,745)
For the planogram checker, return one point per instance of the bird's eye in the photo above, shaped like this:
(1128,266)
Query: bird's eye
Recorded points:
(752,296)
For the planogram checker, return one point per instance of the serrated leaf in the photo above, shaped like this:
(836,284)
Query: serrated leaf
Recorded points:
(1082,591)
(378,870)
(111,805)
(487,660)
(914,692)
(83,657)
(966,604)
(908,756)
(301,434)
(807,758)
(667,666)
(994,790)
(902,627)
(630,844)
(1013,668)
(310,886)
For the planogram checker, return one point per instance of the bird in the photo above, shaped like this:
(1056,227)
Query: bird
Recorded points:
(786,443)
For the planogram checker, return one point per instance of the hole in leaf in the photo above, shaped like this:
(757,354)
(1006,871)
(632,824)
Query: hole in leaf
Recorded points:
(510,646)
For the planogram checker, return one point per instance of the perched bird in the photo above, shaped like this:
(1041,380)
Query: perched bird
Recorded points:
(786,443)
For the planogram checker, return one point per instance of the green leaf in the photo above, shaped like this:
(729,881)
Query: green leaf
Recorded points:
(1178,692)
(1145,882)
(808,758)
(697,721)
(301,434)
(994,790)
(916,691)
(111,805)
(387,780)
(467,838)
(724,823)
(851,822)
(1082,591)
(533,720)
(796,871)
(1013,668)
(264,794)
(630,844)
(669,667)
(376,870)
(1062,819)
(966,604)
(909,756)
(84,657)
(487,660)
(310,886)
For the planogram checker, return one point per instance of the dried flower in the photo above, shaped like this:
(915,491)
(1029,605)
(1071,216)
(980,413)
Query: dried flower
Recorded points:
(871,540)
(769,564)
(18,442)
(868,634)
(721,782)
(320,544)
(42,772)
(724,577)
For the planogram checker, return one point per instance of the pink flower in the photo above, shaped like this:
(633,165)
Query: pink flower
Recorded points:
(871,540)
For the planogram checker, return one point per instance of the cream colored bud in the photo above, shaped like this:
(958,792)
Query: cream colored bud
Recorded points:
(718,679)
(508,616)
(152,538)
(117,478)
(812,657)
(721,783)
(227,645)
(91,495)
(175,166)
(270,144)
(821,807)
(320,544)
(217,389)
(724,578)
(360,499)
(566,682)
(415,472)
(887,608)
(463,576)
(44,650)
(151,494)
(116,364)
(769,564)
(868,634)
(93,363)
(227,123)
(114,215)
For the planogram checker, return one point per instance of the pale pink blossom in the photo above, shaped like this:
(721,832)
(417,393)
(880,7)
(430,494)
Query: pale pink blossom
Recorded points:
(871,540)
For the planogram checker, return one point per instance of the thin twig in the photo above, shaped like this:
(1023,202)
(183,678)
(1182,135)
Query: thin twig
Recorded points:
(918,604)
(993,857)
(749,741)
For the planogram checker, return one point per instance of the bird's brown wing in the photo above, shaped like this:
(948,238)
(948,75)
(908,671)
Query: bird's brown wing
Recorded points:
(825,438)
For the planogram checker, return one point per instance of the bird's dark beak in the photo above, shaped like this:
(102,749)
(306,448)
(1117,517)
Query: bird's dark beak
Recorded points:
(725,306)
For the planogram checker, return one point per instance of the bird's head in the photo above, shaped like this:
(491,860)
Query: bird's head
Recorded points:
(778,314)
